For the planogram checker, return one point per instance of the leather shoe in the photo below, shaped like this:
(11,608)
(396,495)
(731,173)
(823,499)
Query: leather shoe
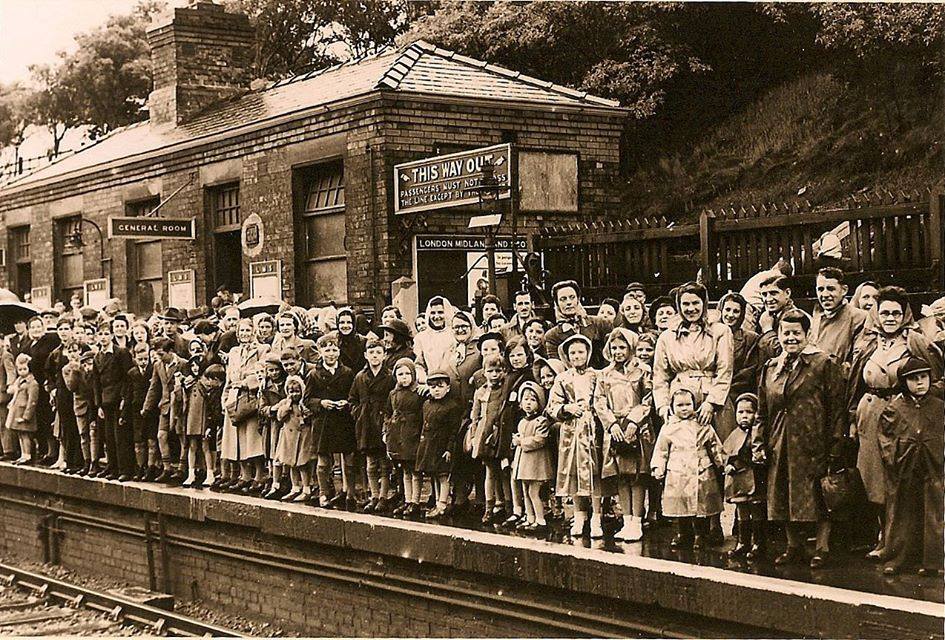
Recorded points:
(890,570)
(793,555)
(124,477)
(820,560)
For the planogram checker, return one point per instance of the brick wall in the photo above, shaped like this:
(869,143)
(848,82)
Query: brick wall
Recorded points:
(375,136)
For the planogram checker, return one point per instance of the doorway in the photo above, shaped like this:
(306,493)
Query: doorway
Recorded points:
(227,261)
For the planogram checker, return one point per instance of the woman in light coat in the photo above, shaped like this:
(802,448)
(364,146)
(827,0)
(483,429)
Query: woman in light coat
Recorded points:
(242,443)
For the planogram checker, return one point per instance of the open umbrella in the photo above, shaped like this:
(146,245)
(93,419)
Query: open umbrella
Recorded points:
(13,311)
(250,307)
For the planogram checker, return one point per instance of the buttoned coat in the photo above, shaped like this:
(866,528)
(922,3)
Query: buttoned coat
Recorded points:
(242,441)
(368,398)
(23,405)
(802,415)
(332,429)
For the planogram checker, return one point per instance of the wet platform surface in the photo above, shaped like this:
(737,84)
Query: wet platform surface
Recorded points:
(846,570)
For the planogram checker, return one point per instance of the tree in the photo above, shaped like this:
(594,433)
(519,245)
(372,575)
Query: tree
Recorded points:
(111,69)
(14,117)
(298,35)
(54,104)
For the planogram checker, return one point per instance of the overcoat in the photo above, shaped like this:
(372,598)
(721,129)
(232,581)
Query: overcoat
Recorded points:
(368,398)
(912,442)
(620,399)
(532,459)
(698,357)
(688,456)
(332,429)
(743,478)
(23,405)
(441,420)
(243,441)
(509,412)
(403,421)
(579,470)
(295,446)
(204,411)
(801,416)
(271,394)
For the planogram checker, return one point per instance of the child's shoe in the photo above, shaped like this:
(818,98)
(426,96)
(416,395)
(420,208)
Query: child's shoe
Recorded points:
(511,521)
(190,480)
(303,496)
(744,541)
(632,530)
(577,527)
(292,495)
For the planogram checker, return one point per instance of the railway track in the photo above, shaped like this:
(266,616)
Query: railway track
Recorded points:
(32,604)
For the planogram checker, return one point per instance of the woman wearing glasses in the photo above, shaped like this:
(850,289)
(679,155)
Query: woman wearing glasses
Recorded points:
(893,337)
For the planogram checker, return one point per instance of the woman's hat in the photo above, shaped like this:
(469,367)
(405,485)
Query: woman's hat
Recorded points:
(397,327)
(490,335)
(662,301)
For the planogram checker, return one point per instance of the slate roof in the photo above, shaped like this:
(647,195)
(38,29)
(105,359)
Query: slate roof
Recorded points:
(420,68)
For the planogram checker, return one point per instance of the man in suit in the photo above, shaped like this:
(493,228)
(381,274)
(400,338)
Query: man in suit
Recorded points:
(109,369)
(158,398)
(172,319)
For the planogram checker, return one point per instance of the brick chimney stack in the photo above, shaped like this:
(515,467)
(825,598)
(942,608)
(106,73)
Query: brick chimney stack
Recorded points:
(199,55)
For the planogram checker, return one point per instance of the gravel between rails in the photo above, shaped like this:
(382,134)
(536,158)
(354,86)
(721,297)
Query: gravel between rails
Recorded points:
(193,609)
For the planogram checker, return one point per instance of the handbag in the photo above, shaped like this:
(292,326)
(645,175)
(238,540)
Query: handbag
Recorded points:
(246,406)
(842,490)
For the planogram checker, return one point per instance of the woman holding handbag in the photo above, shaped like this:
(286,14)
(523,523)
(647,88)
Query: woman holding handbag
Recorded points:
(242,441)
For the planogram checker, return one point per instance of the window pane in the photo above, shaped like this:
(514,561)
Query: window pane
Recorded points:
(325,235)
(227,207)
(21,243)
(328,281)
(326,188)
(149,264)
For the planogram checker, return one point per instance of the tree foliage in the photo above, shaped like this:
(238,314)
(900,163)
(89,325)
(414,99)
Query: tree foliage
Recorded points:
(297,35)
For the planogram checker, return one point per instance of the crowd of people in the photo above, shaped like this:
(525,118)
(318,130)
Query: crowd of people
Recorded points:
(656,410)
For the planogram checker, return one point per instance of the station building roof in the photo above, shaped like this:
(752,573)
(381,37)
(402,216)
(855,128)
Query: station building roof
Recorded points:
(419,68)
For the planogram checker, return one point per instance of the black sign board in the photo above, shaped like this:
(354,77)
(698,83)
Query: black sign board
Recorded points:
(152,228)
(466,243)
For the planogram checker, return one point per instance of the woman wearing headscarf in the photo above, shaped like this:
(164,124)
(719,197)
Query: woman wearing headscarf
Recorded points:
(890,339)
(433,345)
(633,314)
(350,343)
(697,355)
(242,441)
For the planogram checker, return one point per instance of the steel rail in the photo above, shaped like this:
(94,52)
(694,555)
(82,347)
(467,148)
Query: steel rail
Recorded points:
(158,620)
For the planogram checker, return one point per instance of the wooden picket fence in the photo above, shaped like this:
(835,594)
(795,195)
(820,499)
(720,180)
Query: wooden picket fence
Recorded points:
(887,237)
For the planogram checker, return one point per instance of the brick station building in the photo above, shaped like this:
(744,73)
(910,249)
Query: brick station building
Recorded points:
(313,156)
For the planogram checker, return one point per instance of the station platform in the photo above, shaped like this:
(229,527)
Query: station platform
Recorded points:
(236,552)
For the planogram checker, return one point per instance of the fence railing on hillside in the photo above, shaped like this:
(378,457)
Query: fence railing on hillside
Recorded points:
(890,238)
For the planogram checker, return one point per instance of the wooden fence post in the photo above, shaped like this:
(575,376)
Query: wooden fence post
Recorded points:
(708,256)
(936,198)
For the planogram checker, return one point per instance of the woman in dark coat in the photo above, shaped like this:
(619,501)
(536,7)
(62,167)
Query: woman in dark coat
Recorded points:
(397,342)
(801,419)
(912,442)
(351,344)
(745,354)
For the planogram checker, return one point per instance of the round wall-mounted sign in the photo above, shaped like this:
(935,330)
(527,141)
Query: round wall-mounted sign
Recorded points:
(253,235)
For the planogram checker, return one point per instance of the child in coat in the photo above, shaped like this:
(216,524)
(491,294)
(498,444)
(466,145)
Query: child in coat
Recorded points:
(531,467)
(621,405)
(368,397)
(403,421)
(442,415)
(687,455)
(295,446)
(484,422)
(204,418)
(135,420)
(271,393)
(21,416)
(744,480)
(912,444)
(570,404)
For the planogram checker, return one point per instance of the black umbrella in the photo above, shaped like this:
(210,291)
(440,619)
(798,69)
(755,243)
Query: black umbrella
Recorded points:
(252,306)
(13,311)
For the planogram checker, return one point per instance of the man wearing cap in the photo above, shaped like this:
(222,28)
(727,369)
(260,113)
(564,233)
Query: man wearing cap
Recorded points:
(571,318)
(638,291)
(836,324)
(172,319)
